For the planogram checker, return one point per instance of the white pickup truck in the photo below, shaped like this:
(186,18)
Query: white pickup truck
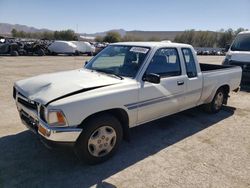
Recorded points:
(239,54)
(125,85)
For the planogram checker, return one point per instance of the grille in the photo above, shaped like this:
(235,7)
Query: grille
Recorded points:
(28,104)
(29,121)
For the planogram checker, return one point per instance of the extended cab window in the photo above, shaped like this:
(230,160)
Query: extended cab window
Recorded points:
(165,62)
(189,62)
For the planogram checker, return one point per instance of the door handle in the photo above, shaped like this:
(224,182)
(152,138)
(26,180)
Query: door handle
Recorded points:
(180,83)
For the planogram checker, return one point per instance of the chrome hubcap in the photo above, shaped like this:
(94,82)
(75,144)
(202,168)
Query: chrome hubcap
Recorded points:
(218,100)
(102,141)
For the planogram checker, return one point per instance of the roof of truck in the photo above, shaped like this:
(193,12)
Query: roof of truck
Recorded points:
(153,44)
(244,32)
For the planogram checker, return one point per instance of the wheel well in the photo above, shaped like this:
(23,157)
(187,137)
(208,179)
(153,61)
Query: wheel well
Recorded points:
(226,90)
(119,113)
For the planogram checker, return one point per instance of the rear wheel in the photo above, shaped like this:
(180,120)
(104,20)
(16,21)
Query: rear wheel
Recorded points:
(14,53)
(99,139)
(77,53)
(40,52)
(217,102)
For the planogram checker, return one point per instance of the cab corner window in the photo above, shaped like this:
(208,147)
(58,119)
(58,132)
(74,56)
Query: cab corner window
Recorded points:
(165,62)
(189,62)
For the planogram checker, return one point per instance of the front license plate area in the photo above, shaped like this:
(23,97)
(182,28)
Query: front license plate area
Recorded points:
(29,121)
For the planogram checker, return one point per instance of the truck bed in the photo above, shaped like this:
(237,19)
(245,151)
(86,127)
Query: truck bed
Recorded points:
(210,67)
(218,75)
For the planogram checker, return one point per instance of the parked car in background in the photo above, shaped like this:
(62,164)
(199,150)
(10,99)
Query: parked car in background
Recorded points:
(9,46)
(37,47)
(84,47)
(239,54)
(62,47)
(125,85)
(71,48)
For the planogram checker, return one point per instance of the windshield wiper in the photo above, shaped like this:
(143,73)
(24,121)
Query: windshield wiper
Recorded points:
(109,73)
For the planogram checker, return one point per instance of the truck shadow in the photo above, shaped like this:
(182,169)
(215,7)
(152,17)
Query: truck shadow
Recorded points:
(25,162)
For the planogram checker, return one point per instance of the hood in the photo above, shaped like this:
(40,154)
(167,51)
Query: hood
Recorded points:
(48,87)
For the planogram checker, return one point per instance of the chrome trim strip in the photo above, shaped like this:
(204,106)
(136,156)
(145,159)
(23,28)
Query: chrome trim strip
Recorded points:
(31,113)
(157,100)
(60,134)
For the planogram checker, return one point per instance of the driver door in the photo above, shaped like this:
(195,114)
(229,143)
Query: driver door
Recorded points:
(158,100)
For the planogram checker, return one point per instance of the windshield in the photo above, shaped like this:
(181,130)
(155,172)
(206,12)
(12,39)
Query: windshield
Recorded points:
(119,60)
(241,43)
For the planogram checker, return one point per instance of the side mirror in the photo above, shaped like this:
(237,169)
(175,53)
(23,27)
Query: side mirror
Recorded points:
(152,78)
(227,47)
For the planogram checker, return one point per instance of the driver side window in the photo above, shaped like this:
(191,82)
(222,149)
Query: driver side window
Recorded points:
(165,63)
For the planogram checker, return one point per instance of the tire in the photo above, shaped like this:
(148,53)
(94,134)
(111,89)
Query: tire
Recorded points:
(99,140)
(77,53)
(22,52)
(90,53)
(14,53)
(53,53)
(217,102)
(40,52)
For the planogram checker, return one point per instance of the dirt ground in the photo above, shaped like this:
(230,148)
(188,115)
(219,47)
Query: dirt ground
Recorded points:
(189,149)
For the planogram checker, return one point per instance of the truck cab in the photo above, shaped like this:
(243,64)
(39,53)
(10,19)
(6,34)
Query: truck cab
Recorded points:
(239,54)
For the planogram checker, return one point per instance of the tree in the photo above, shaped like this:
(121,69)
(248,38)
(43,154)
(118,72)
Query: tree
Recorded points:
(112,37)
(225,38)
(154,38)
(127,38)
(47,35)
(14,33)
(239,30)
(186,37)
(65,35)
(98,38)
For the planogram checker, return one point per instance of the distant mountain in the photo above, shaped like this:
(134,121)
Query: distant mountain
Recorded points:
(149,35)
(122,32)
(143,35)
(6,28)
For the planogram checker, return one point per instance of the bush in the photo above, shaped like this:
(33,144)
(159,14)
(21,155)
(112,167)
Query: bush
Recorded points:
(112,37)
(56,35)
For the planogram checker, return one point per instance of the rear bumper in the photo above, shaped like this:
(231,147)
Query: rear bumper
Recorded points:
(48,133)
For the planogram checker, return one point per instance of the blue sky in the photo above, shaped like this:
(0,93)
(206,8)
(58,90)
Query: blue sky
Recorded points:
(99,15)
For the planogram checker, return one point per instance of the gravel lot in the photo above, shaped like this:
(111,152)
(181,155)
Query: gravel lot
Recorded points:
(189,149)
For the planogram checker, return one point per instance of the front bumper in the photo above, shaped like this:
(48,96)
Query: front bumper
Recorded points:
(31,120)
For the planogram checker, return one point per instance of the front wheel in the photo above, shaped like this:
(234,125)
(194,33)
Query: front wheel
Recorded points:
(99,139)
(217,102)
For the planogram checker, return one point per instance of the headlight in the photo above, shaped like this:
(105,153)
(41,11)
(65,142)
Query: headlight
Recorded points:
(53,117)
(56,118)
